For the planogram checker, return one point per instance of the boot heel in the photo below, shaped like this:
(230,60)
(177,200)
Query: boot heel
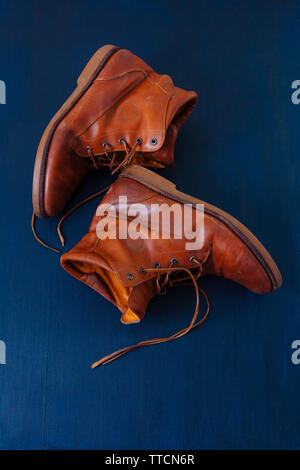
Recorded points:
(95,64)
(148,178)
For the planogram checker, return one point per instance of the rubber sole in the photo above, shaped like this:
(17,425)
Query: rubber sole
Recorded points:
(168,189)
(85,79)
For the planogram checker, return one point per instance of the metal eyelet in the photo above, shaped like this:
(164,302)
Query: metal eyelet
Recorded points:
(130,276)
(174,261)
(193,259)
(156,265)
(121,139)
(139,140)
(153,141)
(105,144)
(142,270)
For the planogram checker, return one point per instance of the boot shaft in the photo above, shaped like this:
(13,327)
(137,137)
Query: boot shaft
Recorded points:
(129,101)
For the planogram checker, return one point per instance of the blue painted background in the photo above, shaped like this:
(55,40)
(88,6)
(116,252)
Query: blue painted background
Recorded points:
(231,383)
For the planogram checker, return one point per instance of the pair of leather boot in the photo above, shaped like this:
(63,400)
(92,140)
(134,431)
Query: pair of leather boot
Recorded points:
(124,116)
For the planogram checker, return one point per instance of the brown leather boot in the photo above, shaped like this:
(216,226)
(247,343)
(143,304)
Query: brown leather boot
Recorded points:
(128,272)
(120,112)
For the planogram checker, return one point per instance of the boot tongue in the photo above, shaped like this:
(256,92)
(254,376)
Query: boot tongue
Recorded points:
(139,298)
(129,317)
(131,301)
(119,292)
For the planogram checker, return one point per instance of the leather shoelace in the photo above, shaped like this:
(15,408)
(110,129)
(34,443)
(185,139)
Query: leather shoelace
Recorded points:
(161,284)
(73,209)
(110,160)
(97,161)
(59,226)
(38,239)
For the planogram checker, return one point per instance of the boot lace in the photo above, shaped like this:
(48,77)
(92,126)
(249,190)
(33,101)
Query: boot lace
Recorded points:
(167,277)
(129,154)
(109,159)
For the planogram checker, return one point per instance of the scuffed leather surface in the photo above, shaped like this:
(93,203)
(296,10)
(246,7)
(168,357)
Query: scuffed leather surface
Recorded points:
(223,252)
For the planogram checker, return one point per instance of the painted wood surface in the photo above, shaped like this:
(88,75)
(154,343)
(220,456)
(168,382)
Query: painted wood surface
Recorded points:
(230,384)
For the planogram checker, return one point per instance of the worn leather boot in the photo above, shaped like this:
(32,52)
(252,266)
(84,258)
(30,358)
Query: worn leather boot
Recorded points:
(121,112)
(129,272)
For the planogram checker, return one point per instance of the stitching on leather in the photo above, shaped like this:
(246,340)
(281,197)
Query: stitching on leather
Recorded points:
(159,86)
(166,115)
(121,75)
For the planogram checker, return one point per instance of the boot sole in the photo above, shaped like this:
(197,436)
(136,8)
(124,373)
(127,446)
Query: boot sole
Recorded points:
(85,79)
(168,189)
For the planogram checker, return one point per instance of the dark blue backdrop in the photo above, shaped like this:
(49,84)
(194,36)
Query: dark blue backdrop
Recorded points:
(229,384)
